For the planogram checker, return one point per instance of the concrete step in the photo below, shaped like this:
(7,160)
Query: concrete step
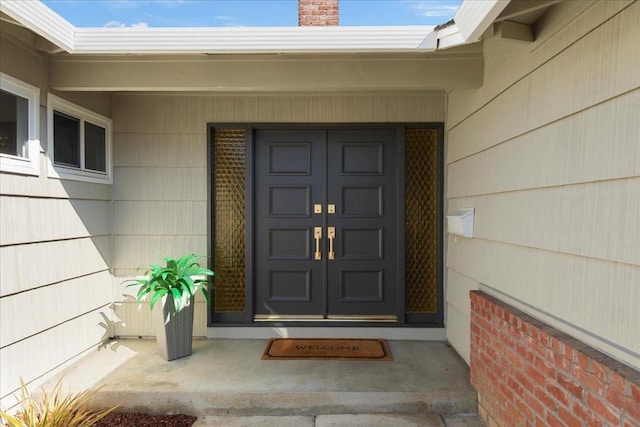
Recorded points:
(228,378)
(351,420)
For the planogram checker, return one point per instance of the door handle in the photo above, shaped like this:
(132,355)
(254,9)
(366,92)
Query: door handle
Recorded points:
(317,234)
(331,234)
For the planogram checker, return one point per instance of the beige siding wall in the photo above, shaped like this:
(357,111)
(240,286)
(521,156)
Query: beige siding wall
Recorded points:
(55,251)
(160,185)
(548,153)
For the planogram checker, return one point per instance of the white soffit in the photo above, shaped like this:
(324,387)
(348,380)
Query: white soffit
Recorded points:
(248,39)
(37,17)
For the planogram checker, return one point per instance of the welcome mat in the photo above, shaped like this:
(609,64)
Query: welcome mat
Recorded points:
(326,349)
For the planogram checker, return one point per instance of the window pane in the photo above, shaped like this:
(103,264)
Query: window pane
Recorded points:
(95,147)
(14,113)
(66,140)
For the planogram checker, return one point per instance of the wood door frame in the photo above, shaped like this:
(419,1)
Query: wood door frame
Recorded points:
(246,318)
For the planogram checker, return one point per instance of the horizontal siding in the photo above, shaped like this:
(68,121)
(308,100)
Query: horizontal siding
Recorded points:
(179,150)
(459,311)
(599,143)
(594,299)
(56,262)
(596,220)
(168,218)
(553,35)
(33,186)
(54,305)
(553,92)
(160,184)
(131,252)
(34,357)
(55,252)
(135,320)
(547,153)
(26,220)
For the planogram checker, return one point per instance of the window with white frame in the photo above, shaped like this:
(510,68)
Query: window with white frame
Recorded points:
(19,125)
(79,142)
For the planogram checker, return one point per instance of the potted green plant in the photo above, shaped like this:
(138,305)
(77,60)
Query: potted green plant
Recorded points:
(174,285)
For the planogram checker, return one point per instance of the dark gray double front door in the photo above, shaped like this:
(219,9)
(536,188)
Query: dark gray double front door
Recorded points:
(326,224)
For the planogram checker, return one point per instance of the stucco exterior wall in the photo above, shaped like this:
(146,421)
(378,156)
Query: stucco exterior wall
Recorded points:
(160,186)
(547,152)
(55,249)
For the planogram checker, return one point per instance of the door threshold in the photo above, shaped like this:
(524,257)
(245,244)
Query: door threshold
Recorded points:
(319,318)
(265,331)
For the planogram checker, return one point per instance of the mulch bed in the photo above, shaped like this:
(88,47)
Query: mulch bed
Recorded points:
(136,419)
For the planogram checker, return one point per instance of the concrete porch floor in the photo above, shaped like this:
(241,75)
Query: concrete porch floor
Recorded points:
(225,383)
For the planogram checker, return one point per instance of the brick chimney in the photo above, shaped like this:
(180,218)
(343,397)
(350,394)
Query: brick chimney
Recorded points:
(318,13)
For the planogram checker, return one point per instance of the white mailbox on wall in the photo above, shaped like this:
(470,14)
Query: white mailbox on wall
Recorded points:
(460,222)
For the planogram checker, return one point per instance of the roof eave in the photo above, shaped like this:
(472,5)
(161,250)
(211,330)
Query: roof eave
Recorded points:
(37,17)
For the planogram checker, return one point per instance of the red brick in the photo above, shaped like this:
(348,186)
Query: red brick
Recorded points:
(582,360)
(633,407)
(552,421)
(544,367)
(523,380)
(561,363)
(571,386)
(568,418)
(588,380)
(603,409)
(514,416)
(504,388)
(558,393)
(586,415)
(525,352)
(544,339)
(599,370)
(534,404)
(616,398)
(617,381)
(634,390)
(514,385)
(557,345)
(535,375)
(546,399)
(524,409)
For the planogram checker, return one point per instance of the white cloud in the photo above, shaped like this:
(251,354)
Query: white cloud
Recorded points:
(118,24)
(114,24)
(434,9)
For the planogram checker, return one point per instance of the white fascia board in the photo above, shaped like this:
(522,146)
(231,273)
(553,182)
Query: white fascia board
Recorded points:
(37,17)
(474,17)
(450,37)
(247,39)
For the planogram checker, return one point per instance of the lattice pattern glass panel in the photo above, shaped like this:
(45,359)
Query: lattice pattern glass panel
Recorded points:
(421,220)
(229,212)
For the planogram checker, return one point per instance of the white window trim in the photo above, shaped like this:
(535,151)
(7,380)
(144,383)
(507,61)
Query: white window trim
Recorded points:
(56,103)
(29,165)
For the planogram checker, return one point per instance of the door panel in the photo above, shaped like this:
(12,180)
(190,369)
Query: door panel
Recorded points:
(361,181)
(355,170)
(289,180)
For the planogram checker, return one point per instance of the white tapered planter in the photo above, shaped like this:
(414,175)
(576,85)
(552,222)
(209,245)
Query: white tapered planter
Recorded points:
(174,331)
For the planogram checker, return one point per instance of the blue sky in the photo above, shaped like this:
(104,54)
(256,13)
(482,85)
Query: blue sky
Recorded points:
(245,13)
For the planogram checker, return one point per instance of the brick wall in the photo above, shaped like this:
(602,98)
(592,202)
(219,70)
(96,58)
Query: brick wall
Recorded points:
(528,373)
(318,13)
